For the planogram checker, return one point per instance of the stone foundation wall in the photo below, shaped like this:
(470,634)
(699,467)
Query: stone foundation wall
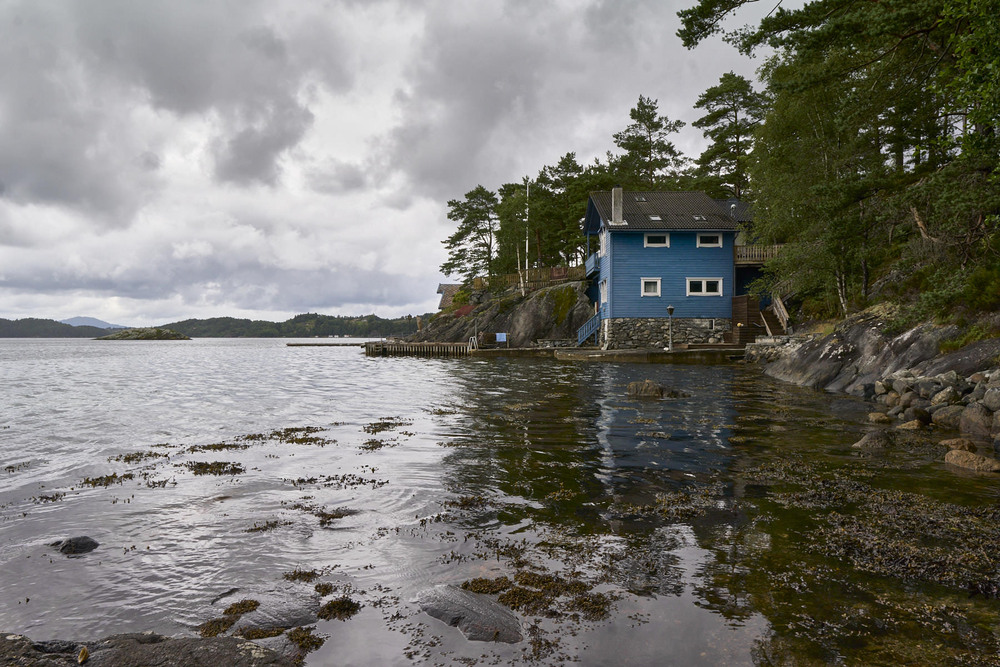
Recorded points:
(634,333)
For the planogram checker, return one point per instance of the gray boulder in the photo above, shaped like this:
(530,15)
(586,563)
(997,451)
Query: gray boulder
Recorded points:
(991,400)
(479,617)
(947,395)
(928,387)
(948,416)
(976,420)
(917,413)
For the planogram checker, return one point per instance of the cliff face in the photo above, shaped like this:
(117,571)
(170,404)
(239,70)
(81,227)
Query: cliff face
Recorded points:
(551,313)
(858,354)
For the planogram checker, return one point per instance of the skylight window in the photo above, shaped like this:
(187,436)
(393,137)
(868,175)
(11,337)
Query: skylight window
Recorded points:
(655,218)
(699,218)
(640,197)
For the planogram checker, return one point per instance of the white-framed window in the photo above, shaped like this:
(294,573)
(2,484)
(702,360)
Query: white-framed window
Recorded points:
(602,238)
(709,240)
(656,240)
(604,291)
(704,286)
(649,286)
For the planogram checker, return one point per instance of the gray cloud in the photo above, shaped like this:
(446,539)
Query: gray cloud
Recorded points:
(135,136)
(336,177)
(72,108)
(251,153)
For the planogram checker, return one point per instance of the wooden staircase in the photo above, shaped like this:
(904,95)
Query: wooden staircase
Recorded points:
(748,321)
(772,323)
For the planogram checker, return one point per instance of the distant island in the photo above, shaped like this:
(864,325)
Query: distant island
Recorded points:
(145,333)
(309,325)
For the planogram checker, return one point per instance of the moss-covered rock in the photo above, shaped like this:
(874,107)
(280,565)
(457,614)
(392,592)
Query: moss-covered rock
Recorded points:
(149,333)
(551,313)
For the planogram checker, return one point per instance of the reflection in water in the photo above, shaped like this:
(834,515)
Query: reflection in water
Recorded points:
(723,527)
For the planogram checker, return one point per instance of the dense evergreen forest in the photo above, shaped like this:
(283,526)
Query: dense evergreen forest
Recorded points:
(31,327)
(300,326)
(869,149)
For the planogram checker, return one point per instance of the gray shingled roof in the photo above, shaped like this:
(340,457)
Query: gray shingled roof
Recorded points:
(677,210)
(740,211)
(447,292)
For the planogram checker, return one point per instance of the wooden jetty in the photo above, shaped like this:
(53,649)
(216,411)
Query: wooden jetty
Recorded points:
(401,349)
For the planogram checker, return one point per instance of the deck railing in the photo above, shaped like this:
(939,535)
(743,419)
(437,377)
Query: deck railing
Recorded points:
(593,264)
(535,279)
(755,254)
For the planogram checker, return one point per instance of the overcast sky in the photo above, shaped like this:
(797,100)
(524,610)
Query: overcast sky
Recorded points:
(161,160)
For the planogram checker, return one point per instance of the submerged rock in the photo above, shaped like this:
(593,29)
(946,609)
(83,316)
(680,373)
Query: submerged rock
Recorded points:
(480,618)
(285,607)
(76,545)
(652,389)
(970,461)
(876,440)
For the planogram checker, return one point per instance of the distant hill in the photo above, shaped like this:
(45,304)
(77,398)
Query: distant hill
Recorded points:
(301,326)
(35,328)
(92,322)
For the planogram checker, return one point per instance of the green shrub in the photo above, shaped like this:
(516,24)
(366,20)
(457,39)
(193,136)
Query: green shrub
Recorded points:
(973,334)
(982,289)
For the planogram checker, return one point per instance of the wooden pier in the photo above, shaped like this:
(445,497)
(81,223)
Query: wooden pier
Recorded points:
(389,349)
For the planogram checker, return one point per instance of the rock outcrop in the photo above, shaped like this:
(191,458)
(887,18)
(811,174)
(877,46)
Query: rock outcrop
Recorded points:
(917,385)
(551,313)
(133,650)
(145,334)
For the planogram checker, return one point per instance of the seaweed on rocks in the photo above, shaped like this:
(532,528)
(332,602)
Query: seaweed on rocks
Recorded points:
(219,468)
(341,608)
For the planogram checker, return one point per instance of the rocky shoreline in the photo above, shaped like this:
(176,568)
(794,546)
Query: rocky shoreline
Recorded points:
(139,650)
(912,384)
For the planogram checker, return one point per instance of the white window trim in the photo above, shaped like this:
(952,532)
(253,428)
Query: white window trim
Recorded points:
(602,240)
(647,244)
(603,290)
(702,280)
(642,286)
(710,245)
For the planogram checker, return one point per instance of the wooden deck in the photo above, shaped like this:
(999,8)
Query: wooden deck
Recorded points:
(392,349)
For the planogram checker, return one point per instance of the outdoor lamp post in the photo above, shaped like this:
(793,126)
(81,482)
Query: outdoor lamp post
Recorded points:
(670,328)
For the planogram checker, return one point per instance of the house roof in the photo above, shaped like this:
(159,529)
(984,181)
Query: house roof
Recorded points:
(659,210)
(447,292)
(740,211)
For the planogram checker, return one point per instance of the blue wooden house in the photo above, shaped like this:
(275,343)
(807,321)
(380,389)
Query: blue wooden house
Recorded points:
(664,262)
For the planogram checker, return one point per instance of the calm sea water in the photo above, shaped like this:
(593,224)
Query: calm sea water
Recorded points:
(435,471)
